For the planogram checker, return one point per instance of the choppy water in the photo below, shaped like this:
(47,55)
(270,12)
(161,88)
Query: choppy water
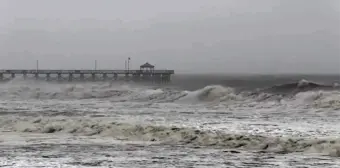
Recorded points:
(195,122)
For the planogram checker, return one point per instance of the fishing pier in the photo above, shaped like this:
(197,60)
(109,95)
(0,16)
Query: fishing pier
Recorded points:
(146,73)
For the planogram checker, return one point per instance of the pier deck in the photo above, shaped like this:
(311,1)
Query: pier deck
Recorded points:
(162,76)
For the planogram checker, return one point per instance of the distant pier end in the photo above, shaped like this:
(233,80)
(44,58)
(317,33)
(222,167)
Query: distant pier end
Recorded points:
(146,73)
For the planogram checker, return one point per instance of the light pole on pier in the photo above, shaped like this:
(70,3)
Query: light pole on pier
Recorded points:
(37,65)
(95,64)
(129,64)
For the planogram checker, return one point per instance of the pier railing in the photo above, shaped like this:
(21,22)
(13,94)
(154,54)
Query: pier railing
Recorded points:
(46,71)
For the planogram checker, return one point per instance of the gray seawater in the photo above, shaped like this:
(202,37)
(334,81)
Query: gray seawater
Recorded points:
(197,121)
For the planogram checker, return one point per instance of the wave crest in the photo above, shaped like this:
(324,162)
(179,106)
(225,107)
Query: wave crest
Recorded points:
(300,86)
(212,93)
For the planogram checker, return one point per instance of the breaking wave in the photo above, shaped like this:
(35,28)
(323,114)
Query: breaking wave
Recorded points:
(212,93)
(301,93)
(172,135)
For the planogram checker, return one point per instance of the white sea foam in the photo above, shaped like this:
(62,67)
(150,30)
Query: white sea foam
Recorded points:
(175,135)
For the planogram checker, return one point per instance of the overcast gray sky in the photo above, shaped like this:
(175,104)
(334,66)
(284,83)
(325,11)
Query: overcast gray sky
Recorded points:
(190,36)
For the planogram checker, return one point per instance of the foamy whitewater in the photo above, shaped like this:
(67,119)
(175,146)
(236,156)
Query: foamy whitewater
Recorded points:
(111,124)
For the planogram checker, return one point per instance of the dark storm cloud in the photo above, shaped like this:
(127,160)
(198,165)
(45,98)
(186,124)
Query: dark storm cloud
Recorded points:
(228,36)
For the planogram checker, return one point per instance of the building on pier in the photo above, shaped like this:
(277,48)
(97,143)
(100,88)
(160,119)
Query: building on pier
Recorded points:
(147,68)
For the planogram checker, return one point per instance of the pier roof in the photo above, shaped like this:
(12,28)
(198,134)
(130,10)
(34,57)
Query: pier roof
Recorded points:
(147,65)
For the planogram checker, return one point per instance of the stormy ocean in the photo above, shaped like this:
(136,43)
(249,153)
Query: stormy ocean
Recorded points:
(196,121)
